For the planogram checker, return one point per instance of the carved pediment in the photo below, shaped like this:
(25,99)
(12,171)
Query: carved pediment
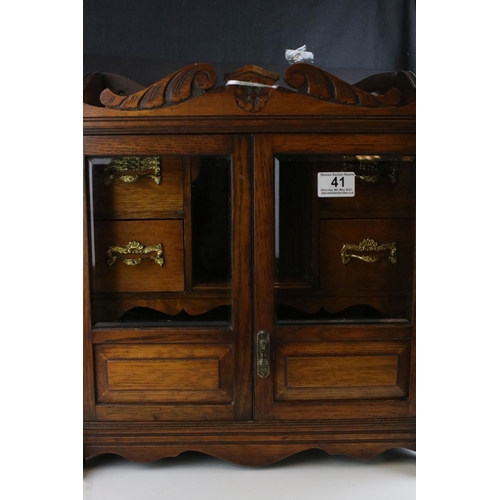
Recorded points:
(251,88)
(180,86)
(315,82)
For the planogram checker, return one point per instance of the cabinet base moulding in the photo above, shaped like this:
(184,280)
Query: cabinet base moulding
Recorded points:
(254,444)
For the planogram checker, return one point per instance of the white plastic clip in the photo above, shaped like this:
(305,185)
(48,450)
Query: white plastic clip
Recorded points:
(250,84)
(299,55)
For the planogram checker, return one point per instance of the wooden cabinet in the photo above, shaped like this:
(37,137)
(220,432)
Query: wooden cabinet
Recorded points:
(231,306)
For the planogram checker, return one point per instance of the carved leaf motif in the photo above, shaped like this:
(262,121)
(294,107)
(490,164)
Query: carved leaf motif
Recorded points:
(186,83)
(313,81)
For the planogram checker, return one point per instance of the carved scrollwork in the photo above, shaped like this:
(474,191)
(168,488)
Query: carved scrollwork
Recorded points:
(186,83)
(315,82)
(381,83)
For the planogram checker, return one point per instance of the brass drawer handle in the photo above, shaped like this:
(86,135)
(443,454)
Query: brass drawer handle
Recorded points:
(370,169)
(263,354)
(135,247)
(133,168)
(368,245)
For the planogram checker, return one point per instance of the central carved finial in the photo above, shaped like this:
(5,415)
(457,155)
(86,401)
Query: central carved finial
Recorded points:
(248,97)
(251,99)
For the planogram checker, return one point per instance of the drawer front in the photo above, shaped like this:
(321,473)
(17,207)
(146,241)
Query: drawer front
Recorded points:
(139,256)
(136,187)
(164,373)
(366,256)
(342,370)
(384,190)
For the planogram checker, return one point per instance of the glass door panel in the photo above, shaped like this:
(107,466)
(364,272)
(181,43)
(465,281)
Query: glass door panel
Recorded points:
(344,238)
(161,240)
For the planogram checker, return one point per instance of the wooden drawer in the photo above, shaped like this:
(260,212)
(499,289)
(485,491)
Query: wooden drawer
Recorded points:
(365,256)
(117,252)
(342,370)
(391,193)
(164,373)
(156,189)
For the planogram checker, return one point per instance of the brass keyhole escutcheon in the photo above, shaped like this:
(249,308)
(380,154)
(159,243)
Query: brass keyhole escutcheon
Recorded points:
(263,354)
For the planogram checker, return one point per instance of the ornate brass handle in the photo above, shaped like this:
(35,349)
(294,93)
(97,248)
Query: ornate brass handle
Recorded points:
(133,168)
(371,168)
(263,354)
(135,248)
(366,246)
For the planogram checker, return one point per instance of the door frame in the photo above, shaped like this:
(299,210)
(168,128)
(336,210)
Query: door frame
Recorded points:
(266,406)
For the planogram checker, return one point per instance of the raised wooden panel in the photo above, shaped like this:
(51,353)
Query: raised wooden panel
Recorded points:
(342,370)
(327,371)
(149,276)
(163,374)
(167,373)
(146,197)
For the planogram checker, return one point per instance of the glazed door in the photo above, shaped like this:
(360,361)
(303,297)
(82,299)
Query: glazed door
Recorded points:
(334,276)
(168,322)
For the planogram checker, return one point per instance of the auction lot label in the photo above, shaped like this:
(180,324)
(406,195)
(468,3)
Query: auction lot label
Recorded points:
(335,184)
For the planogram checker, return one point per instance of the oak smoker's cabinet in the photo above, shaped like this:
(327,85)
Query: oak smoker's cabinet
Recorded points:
(249,264)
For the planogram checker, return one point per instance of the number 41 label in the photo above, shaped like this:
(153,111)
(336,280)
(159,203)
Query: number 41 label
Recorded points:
(335,184)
